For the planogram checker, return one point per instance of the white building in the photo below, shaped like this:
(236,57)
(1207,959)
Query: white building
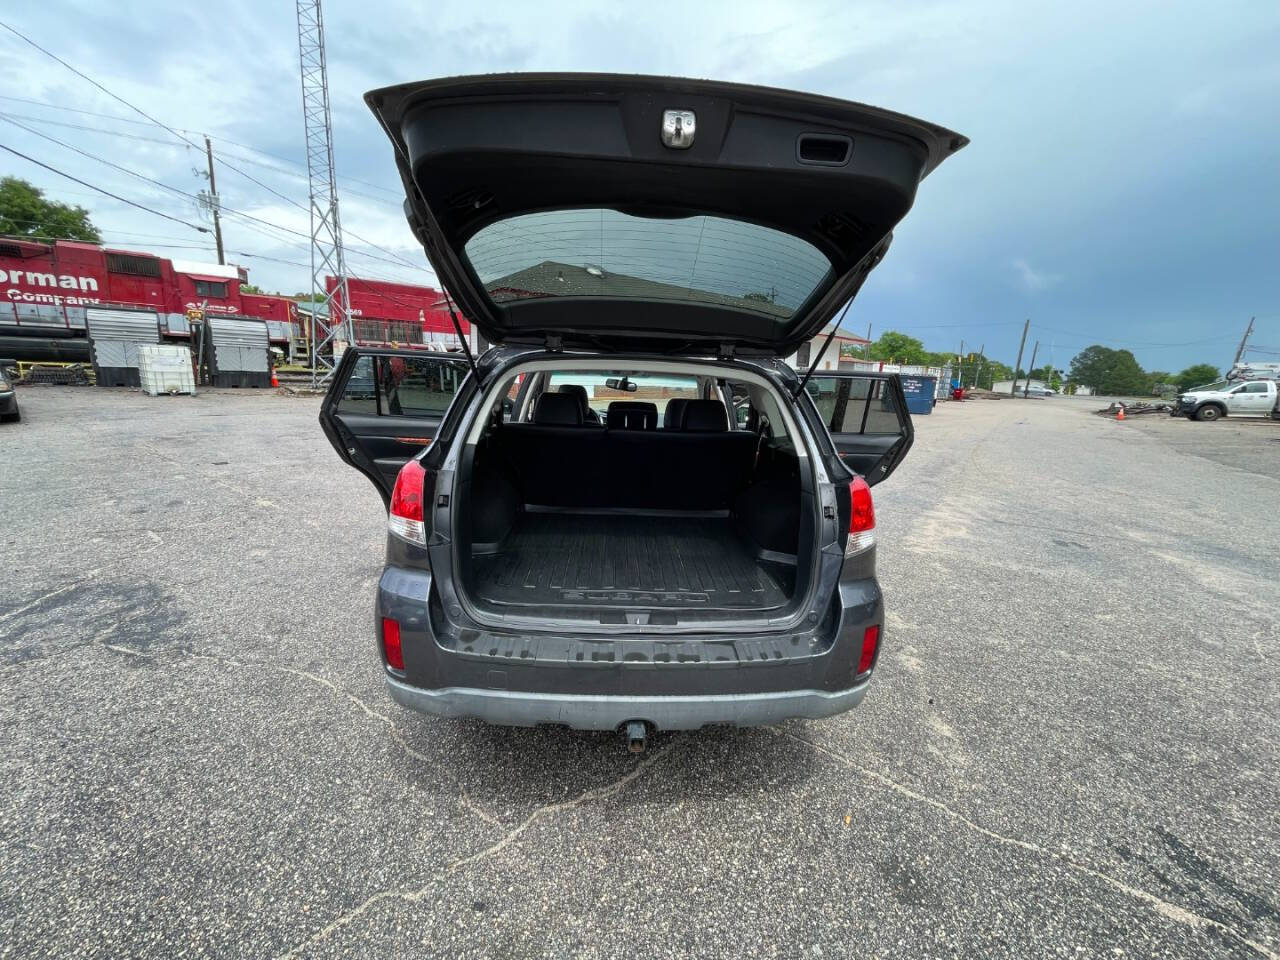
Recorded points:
(803,357)
(1036,386)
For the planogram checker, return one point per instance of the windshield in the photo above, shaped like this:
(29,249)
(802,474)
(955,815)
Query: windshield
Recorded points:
(602,388)
(605,253)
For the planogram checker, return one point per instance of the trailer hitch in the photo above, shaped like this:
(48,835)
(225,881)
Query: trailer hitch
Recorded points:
(637,734)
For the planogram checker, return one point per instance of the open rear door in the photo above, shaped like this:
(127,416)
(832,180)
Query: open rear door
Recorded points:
(867,416)
(383,406)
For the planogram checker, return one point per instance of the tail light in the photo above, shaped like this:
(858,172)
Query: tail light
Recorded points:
(862,518)
(391,643)
(406,518)
(870,641)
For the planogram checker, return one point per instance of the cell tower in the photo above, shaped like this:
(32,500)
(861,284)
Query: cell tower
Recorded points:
(330,314)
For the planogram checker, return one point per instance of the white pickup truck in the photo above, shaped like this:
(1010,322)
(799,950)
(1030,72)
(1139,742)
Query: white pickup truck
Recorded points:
(1236,398)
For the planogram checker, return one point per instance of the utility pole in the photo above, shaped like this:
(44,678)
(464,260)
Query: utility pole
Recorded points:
(977,367)
(213,201)
(1026,384)
(1014,385)
(1243,341)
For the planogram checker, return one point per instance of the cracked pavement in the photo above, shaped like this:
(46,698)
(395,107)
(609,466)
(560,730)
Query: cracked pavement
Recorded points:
(1069,749)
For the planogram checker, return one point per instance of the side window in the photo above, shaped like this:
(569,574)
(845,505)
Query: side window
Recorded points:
(745,416)
(854,405)
(416,386)
(358,396)
(756,410)
(1256,387)
(207,288)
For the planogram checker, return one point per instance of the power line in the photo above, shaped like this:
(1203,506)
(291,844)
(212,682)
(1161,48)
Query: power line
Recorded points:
(84,153)
(182,193)
(85,76)
(222,140)
(297,176)
(174,132)
(108,193)
(80,126)
(220,137)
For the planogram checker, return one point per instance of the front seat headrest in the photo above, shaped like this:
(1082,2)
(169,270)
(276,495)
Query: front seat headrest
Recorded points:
(579,391)
(674,414)
(705,416)
(557,410)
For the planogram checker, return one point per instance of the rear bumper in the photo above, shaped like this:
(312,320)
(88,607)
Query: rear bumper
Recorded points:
(675,682)
(587,712)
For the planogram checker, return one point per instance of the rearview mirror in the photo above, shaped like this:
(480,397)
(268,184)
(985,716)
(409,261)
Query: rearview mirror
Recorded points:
(621,383)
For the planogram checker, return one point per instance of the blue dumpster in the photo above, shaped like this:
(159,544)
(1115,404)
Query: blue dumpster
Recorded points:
(920,393)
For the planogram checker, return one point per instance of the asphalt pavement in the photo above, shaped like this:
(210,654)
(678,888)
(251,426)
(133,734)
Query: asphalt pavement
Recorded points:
(1070,747)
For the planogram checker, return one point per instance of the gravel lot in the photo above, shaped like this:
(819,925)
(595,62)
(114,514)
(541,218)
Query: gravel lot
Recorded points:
(1070,749)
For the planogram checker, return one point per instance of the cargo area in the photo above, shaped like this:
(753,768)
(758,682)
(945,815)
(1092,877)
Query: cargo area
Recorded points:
(567,518)
(554,559)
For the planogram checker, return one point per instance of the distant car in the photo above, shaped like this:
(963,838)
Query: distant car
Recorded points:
(1035,391)
(8,400)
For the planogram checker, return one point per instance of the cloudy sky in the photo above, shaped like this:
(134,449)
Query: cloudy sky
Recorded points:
(1122,185)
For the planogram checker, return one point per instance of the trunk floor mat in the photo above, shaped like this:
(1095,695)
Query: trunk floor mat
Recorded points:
(557,559)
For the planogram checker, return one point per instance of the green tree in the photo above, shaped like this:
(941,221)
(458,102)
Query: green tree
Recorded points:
(894,347)
(1048,375)
(1111,372)
(24,212)
(1160,379)
(992,371)
(1197,375)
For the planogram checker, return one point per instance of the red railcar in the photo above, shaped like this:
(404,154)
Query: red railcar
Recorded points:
(46,287)
(280,313)
(403,313)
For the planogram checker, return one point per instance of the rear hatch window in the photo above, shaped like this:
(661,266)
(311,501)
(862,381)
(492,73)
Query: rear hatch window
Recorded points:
(610,254)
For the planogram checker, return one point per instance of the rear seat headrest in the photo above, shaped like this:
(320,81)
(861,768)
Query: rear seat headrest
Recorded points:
(632,415)
(705,416)
(674,413)
(557,410)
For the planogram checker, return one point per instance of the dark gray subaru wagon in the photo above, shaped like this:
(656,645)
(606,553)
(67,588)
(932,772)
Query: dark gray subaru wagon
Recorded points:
(629,512)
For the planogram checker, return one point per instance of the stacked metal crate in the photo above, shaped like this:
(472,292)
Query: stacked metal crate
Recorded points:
(114,338)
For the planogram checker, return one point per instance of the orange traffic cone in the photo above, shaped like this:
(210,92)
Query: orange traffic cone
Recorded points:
(1120,413)
(275,381)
